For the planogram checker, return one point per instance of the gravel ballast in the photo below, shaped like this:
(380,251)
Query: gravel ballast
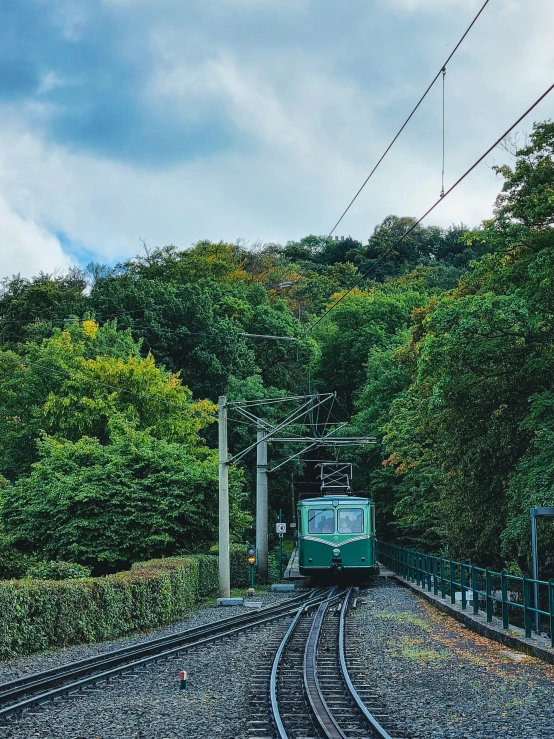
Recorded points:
(441,680)
(436,678)
(21,666)
(148,704)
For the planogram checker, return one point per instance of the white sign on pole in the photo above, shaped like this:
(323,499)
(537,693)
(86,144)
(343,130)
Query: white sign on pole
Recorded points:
(281,528)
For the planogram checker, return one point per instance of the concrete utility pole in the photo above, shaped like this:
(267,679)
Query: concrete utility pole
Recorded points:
(305,404)
(261,502)
(224,563)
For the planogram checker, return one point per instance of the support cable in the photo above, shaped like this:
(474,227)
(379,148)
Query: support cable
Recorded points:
(443,78)
(421,99)
(432,208)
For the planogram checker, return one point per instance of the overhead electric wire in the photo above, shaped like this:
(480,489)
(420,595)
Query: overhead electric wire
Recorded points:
(72,320)
(413,226)
(443,133)
(408,119)
(142,327)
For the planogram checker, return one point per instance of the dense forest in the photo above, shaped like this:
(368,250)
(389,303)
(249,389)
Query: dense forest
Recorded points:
(444,352)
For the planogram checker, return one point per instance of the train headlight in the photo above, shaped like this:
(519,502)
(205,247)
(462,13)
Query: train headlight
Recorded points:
(336,552)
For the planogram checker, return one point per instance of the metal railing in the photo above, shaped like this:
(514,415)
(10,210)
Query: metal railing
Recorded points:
(517,601)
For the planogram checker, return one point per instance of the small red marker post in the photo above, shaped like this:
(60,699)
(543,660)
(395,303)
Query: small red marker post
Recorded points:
(183,680)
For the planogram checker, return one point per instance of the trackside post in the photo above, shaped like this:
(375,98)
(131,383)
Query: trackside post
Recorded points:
(224,561)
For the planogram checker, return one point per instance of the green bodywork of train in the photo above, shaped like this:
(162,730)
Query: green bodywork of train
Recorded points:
(336,534)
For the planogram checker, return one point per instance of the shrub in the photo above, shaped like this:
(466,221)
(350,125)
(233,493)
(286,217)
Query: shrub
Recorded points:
(273,564)
(12,562)
(42,614)
(108,505)
(208,575)
(58,571)
(208,570)
(240,569)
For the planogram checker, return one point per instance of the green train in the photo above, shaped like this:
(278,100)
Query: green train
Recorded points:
(336,537)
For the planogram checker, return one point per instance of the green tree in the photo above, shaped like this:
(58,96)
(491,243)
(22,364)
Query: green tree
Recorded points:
(73,383)
(471,433)
(108,505)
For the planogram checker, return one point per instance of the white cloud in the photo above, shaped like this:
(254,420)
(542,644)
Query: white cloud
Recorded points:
(26,247)
(308,132)
(51,81)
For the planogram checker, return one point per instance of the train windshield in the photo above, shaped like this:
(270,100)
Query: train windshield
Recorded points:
(351,521)
(321,521)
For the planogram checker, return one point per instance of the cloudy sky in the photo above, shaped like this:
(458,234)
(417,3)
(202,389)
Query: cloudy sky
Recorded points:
(177,120)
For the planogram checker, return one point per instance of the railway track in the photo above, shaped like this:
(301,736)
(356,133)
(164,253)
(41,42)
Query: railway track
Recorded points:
(310,691)
(33,690)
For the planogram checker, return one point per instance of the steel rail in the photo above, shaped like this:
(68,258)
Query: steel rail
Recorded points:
(277,661)
(273,680)
(380,731)
(321,711)
(119,658)
(71,669)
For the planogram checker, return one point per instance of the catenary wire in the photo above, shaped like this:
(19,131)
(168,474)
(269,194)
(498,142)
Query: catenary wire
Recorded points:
(421,99)
(416,223)
(141,327)
(443,132)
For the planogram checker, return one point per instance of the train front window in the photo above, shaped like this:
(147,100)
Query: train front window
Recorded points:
(351,521)
(321,521)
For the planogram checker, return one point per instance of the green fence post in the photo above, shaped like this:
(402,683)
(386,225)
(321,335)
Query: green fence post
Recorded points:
(463,585)
(435,577)
(443,579)
(452,590)
(475,590)
(418,569)
(505,610)
(429,559)
(526,606)
(488,578)
(551,610)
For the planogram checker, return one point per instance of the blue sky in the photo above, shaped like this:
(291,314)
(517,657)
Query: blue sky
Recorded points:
(173,121)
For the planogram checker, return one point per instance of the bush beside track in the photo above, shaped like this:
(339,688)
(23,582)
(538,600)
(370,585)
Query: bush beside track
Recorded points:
(37,615)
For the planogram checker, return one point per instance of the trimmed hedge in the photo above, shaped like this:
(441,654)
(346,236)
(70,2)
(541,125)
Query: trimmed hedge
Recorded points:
(58,571)
(44,614)
(240,570)
(208,580)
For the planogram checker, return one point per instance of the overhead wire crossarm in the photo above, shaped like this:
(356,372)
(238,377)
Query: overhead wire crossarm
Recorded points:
(294,416)
(310,438)
(269,401)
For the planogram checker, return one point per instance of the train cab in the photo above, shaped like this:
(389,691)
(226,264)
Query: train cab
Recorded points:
(336,536)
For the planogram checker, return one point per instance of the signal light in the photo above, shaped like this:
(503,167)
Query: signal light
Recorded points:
(251,556)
